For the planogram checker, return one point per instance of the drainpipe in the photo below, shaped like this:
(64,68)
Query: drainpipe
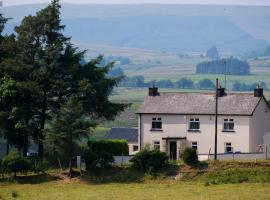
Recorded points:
(216,118)
(140,131)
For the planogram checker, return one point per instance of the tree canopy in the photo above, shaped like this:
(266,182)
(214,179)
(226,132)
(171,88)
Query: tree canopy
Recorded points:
(46,70)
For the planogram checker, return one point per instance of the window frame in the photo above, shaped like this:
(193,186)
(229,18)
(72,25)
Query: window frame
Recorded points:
(196,121)
(193,146)
(156,124)
(227,122)
(156,145)
(226,146)
(135,146)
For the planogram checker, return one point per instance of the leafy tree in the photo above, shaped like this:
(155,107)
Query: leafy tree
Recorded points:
(69,127)
(48,72)
(184,83)
(212,53)
(165,84)
(205,84)
(230,66)
(14,162)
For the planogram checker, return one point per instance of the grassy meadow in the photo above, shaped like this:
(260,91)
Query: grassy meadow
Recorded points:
(208,181)
(134,191)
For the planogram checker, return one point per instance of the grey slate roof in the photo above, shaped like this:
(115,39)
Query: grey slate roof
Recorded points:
(129,134)
(199,103)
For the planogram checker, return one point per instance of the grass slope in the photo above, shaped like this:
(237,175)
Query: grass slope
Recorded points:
(125,183)
(169,191)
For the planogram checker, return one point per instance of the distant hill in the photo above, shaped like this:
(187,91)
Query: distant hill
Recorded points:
(174,28)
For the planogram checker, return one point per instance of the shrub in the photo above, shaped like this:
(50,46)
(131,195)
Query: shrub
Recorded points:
(190,156)
(14,163)
(114,147)
(40,166)
(149,160)
(94,160)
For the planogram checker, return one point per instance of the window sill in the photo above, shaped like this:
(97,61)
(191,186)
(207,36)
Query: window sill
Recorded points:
(228,131)
(156,130)
(194,130)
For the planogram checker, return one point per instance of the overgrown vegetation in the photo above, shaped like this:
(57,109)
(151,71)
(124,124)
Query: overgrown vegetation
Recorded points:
(190,156)
(99,154)
(149,160)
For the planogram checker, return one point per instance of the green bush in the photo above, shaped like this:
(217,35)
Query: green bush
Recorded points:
(190,156)
(94,160)
(149,160)
(14,163)
(114,147)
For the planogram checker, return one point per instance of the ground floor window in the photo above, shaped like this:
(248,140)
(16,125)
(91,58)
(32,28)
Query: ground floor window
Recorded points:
(194,145)
(135,147)
(156,145)
(228,147)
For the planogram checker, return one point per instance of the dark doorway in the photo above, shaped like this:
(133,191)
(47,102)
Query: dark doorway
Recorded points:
(173,150)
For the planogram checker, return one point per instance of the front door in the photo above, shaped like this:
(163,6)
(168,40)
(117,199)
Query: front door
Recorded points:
(173,150)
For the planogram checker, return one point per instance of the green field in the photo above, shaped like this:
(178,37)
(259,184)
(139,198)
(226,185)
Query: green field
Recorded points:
(167,191)
(154,65)
(209,180)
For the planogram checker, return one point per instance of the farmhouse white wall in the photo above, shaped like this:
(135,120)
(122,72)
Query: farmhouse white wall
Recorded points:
(259,125)
(177,126)
(130,148)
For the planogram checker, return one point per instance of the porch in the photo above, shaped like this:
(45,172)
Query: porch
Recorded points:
(174,146)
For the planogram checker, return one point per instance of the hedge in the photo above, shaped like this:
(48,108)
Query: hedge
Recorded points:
(114,147)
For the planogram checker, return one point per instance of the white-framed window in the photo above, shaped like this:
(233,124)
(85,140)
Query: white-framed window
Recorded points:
(156,123)
(194,145)
(228,147)
(156,145)
(194,124)
(228,125)
(135,147)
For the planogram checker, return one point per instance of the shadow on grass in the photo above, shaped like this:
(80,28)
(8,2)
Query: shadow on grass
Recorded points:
(29,179)
(113,175)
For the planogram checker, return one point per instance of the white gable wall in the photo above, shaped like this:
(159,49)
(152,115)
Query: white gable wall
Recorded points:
(259,125)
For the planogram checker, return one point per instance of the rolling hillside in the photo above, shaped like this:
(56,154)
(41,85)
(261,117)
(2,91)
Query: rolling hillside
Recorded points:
(174,28)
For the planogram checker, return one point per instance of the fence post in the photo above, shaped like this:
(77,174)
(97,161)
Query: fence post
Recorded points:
(233,155)
(266,151)
(209,153)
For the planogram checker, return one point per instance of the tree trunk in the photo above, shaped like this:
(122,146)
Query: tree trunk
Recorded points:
(40,148)
(42,125)
(70,155)
(7,147)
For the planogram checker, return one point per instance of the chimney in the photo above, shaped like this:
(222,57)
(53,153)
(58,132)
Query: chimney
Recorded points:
(221,92)
(153,91)
(258,91)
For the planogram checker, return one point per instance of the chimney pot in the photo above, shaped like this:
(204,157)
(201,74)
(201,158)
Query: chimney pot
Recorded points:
(221,92)
(153,91)
(258,92)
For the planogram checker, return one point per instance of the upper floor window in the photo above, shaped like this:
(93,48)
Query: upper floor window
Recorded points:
(228,147)
(194,145)
(228,125)
(156,145)
(156,123)
(194,124)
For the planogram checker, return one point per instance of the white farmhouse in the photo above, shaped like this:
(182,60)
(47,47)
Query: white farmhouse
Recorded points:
(171,121)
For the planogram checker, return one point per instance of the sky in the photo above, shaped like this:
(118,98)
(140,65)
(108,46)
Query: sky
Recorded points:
(230,2)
